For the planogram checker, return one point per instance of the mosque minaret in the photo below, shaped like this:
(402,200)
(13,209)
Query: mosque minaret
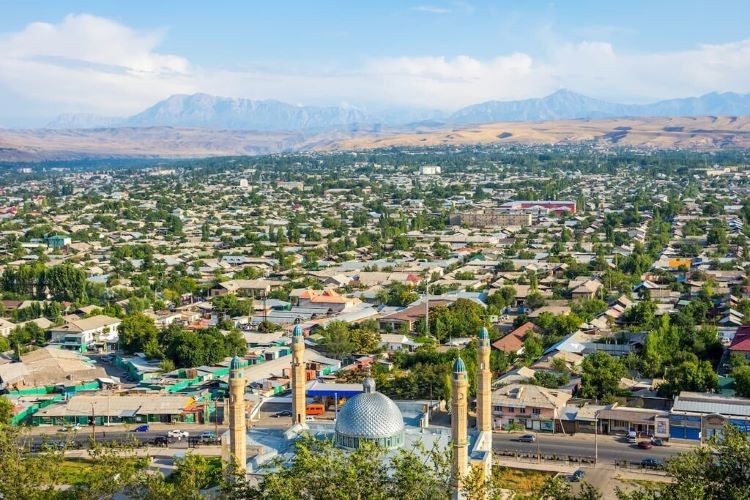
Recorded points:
(298,376)
(237,427)
(459,425)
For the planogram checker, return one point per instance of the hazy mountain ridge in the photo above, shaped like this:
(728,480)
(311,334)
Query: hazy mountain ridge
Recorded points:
(207,111)
(567,105)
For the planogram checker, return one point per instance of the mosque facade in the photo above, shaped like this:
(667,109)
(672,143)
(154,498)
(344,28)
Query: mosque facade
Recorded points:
(369,417)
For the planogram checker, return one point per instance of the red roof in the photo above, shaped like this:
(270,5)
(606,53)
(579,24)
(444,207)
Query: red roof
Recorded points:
(513,342)
(741,341)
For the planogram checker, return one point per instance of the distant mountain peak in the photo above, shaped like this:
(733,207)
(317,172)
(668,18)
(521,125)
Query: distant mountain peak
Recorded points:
(201,110)
(566,104)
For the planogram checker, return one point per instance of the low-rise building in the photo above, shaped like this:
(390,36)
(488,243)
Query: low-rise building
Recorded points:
(529,407)
(697,415)
(94,333)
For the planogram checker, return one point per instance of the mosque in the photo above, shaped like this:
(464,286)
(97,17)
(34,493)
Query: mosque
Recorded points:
(367,417)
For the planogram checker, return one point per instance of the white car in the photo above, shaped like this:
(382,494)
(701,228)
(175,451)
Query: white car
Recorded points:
(178,434)
(309,418)
(73,428)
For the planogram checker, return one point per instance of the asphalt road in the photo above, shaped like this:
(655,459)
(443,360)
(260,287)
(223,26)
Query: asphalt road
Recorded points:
(83,437)
(610,448)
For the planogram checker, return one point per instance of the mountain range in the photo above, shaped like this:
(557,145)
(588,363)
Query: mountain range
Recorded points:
(207,111)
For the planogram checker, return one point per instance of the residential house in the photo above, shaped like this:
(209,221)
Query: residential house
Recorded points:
(97,332)
(512,343)
(405,319)
(584,288)
(528,406)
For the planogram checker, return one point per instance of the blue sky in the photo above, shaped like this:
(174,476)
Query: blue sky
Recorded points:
(115,57)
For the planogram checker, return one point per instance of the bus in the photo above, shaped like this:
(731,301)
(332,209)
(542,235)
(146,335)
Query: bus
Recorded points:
(315,409)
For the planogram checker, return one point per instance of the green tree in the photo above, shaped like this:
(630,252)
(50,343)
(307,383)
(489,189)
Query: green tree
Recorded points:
(532,348)
(320,471)
(136,331)
(741,377)
(690,375)
(337,339)
(717,470)
(601,376)
(558,488)
(6,411)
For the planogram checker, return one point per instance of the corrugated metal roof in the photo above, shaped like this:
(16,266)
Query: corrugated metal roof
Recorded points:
(711,407)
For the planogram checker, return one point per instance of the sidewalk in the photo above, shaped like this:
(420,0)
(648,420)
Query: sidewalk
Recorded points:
(153,427)
(153,452)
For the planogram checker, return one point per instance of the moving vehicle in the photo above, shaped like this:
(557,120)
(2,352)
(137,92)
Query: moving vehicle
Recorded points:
(160,441)
(208,436)
(659,442)
(527,438)
(645,445)
(309,418)
(578,475)
(282,413)
(632,437)
(141,428)
(70,428)
(178,434)
(315,409)
(651,463)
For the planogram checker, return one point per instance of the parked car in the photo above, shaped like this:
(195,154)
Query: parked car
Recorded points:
(527,438)
(141,428)
(282,413)
(645,445)
(160,441)
(651,463)
(659,442)
(208,436)
(70,428)
(578,475)
(632,440)
(309,418)
(178,434)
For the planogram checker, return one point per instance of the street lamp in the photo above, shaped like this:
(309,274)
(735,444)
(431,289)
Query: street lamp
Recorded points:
(538,450)
(596,438)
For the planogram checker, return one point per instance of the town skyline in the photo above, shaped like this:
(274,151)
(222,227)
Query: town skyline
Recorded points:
(112,61)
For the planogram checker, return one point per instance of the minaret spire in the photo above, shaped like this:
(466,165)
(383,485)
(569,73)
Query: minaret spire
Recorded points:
(237,427)
(459,425)
(298,376)
(484,383)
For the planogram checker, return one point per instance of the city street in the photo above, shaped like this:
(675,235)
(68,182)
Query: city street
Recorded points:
(611,448)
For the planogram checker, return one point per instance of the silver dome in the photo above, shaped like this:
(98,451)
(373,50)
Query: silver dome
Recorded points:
(370,416)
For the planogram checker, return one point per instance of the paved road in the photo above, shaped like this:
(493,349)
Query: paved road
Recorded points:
(610,447)
(82,438)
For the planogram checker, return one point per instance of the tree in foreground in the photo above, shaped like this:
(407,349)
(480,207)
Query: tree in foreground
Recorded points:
(558,488)
(320,471)
(721,469)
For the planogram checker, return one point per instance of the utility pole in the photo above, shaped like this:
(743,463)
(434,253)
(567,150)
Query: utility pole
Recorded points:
(596,438)
(427,309)
(93,423)
(538,450)
(216,420)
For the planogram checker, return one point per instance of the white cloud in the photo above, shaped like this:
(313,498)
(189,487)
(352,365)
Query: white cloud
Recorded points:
(431,9)
(92,64)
